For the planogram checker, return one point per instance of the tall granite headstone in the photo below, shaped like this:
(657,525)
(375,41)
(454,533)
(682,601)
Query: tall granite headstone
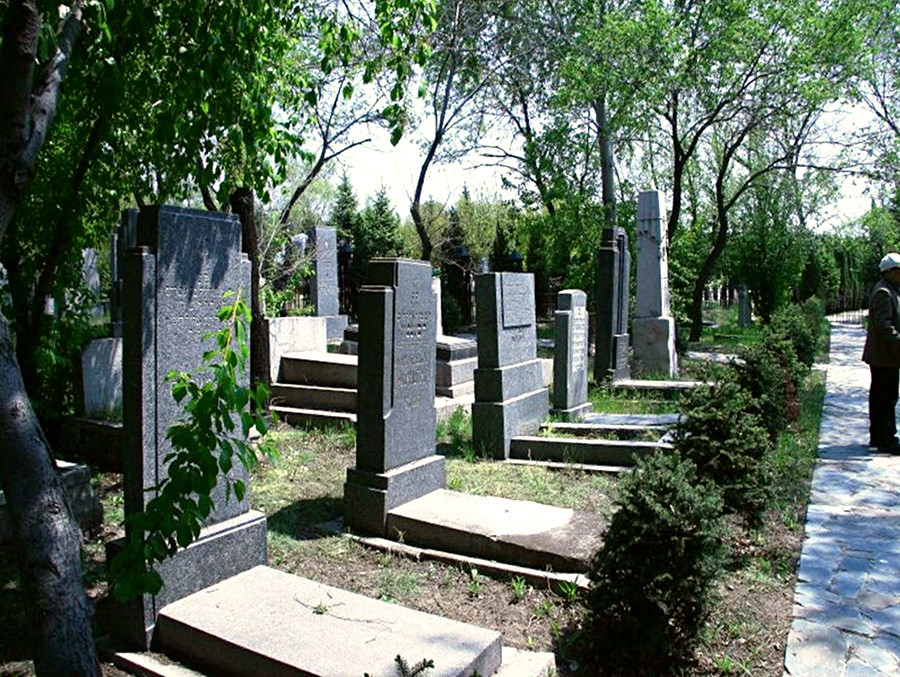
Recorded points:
(509,395)
(653,327)
(613,280)
(323,285)
(745,317)
(395,440)
(123,238)
(570,354)
(174,279)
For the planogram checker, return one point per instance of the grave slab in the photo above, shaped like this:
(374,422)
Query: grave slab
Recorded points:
(269,623)
(519,532)
(580,450)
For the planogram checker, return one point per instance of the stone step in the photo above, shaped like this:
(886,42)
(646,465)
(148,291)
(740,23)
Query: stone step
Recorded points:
(518,532)
(313,417)
(578,450)
(322,369)
(313,397)
(631,419)
(588,429)
(268,623)
(664,388)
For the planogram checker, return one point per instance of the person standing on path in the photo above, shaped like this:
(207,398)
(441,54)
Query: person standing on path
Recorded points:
(882,354)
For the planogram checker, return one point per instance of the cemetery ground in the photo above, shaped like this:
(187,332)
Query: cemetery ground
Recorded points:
(745,634)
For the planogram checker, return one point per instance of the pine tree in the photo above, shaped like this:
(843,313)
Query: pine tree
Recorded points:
(376,233)
(344,214)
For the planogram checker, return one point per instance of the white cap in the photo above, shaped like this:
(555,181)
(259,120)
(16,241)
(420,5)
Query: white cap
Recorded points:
(892,260)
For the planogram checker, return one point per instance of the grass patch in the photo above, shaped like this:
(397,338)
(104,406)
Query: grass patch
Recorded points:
(610,401)
(566,489)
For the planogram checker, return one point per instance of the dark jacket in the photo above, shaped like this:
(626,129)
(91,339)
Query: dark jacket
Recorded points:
(883,340)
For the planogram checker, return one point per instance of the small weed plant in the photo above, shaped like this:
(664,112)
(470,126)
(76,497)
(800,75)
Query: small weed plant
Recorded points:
(653,578)
(519,588)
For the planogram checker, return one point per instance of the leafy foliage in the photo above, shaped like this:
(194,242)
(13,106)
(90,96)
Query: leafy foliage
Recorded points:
(653,578)
(722,434)
(205,443)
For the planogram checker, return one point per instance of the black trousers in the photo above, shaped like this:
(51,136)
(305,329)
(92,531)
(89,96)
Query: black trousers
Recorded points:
(882,402)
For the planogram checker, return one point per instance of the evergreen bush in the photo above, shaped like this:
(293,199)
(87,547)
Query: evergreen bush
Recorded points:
(722,433)
(791,322)
(653,578)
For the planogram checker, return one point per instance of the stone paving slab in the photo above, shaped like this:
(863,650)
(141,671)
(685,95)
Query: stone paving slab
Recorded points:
(847,598)
(632,419)
(268,623)
(518,532)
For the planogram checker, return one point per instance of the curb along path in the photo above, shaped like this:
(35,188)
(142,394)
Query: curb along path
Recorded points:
(847,600)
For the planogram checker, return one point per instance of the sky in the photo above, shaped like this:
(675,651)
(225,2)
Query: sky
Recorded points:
(378,163)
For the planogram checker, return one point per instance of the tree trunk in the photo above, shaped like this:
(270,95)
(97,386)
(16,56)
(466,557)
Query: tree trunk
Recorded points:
(242,204)
(48,541)
(709,265)
(607,163)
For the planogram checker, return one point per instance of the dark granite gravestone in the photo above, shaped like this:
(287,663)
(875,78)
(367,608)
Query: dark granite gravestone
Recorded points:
(174,279)
(323,285)
(570,354)
(509,396)
(745,316)
(122,239)
(613,281)
(395,439)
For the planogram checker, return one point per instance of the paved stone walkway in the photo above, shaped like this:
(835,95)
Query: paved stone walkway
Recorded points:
(847,599)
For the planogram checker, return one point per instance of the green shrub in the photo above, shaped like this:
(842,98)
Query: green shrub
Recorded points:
(772,374)
(792,322)
(722,434)
(653,578)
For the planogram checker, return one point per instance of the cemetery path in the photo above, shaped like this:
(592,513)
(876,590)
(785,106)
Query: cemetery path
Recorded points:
(846,615)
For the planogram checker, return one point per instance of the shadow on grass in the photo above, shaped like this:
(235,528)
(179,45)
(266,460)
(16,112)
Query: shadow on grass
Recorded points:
(299,519)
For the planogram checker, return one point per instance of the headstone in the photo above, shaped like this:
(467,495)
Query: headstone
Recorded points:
(101,376)
(653,327)
(745,318)
(123,238)
(509,395)
(90,270)
(395,440)
(324,283)
(570,354)
(613,288)
(436,290)
(485,265)
(174,279)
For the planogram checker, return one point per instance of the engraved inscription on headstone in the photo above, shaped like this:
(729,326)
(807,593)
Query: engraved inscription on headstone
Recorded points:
(517,293)
(579,339)
(395,445)
(324,285)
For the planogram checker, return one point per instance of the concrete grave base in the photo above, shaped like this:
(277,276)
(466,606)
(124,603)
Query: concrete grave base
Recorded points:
(98,443)
(603,452)
(574,413)
(266,623)
(222,551)
(519,532)
(334,327)
(368,496)
(494,424)
(653,342)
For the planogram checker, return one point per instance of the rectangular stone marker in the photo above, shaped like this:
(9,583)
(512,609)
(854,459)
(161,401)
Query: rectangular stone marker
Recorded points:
(570,354)
(745,318)
(653,328)
(122,239)
(101,376)
(509,396)
(173,285)
(323,285)
(395,440)
(613,284)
